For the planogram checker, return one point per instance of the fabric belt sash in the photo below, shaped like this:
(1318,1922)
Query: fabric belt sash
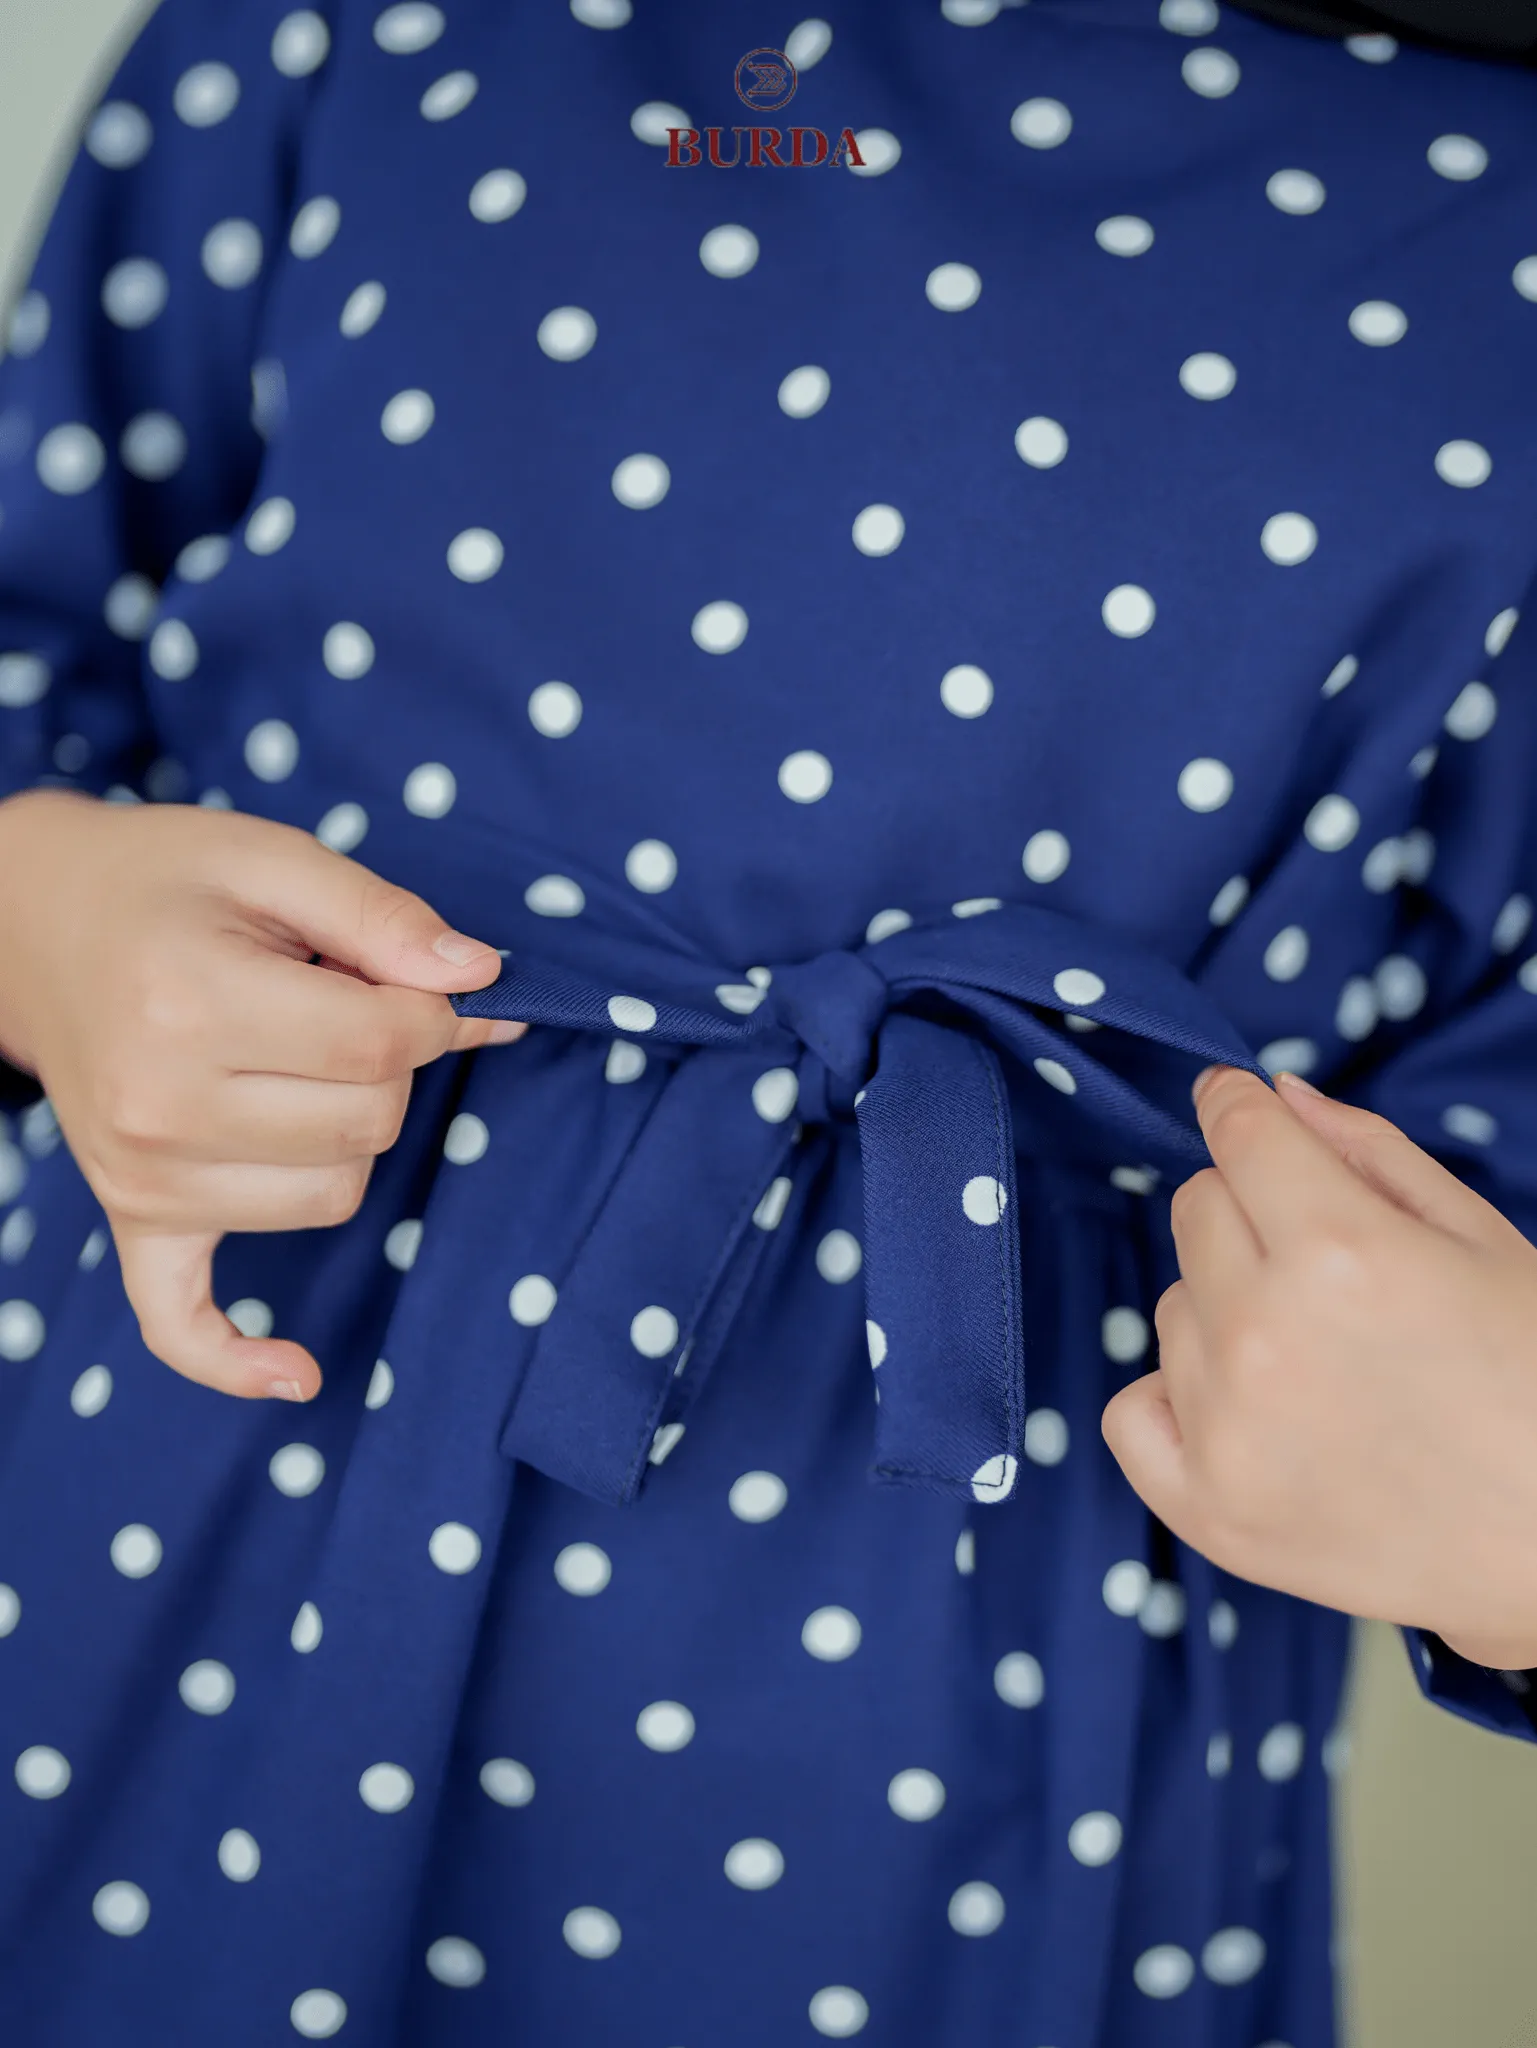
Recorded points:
(904,1035)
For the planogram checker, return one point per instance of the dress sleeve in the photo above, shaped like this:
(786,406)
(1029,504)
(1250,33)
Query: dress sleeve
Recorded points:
(134,391)
(1453,1060)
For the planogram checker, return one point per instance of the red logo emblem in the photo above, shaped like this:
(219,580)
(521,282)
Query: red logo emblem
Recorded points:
(766,81)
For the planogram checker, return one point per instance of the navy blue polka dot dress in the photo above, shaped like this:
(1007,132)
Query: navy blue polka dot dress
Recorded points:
(909,657)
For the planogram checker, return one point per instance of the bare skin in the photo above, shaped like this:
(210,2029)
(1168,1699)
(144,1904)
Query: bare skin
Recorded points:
(208,1073)
(1345,1405)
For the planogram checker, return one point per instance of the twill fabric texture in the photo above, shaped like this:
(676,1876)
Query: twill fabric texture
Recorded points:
(908,661)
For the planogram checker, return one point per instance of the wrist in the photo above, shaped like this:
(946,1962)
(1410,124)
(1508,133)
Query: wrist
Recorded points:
(47,796)
(22,818)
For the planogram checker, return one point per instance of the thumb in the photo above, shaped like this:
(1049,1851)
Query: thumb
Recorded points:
(342,909)
(1144,1437)
(1394,1165)
(169,1284)
(467,1035)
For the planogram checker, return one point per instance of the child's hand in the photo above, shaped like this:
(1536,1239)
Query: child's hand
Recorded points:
(155,974)
(1346,1401)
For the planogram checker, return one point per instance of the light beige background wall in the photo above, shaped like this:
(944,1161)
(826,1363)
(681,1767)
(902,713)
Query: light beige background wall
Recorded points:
(1437,1822)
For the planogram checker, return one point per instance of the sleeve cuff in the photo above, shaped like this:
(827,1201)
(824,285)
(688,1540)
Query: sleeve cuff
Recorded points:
(1504,1702)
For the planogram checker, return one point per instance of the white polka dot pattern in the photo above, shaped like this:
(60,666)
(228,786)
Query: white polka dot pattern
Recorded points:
(729,251)
(1294,191)
(838,2012)
(41,1772)
(567,333)
(946,584)
(498,195)
(409,27)
(755,1864)
(363,309)
(207,1687)
(239,1855)
(119,135)
(804,392)
(583,1568)
(1041,123)
(591,1931)
(317,2015)
(1125,234)
(1163,1971)
(879,150)
(976,1909)
(121,1908)
(136,1551)
(831,1634)
(1458,157)
(1094,1838)
(232,253)
(953,287)
(1211,72)
(206,95)
(296,1470)
(301,42)
(134,292)
(454,1548)
(386,1788)
(455,1962)
(507,1782)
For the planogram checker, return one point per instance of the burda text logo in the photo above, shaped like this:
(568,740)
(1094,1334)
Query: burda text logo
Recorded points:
(765,81)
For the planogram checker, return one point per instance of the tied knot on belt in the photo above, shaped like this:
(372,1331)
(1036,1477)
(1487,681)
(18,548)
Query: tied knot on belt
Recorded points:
(832,1007)
(945,1045)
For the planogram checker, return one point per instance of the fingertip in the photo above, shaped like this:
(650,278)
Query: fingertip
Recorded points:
(469,1034)
(1204,1088)
(472,959)
(1205,1081)
(292,1376)
(1294,1084)
(435,977)
(1324,1115)
(270,1369)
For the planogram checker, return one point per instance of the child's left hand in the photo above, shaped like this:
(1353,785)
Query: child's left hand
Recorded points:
(1345,1406)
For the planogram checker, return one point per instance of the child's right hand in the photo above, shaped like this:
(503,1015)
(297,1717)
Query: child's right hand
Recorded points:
(157,975)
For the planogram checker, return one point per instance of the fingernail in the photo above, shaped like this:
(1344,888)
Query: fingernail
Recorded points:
(1199,1084)
(456,949)
(504,1030)
(286,1390)
(1296,1081)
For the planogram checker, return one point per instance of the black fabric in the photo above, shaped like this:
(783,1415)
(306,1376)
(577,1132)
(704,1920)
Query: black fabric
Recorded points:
(17,1087)
(1503,29)
(1522,1683)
